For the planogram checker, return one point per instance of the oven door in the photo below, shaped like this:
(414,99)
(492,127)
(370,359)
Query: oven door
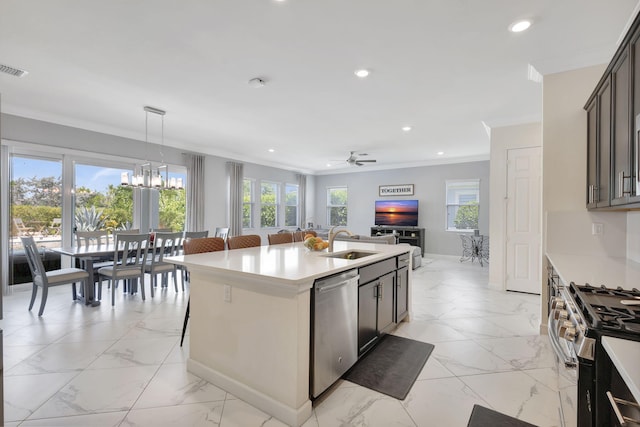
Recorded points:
(566,366)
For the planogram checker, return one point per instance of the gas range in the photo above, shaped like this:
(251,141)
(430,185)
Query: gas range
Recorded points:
(580,316)
(613,311)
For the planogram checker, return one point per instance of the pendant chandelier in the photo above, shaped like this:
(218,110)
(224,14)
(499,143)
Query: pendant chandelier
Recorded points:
(146,176)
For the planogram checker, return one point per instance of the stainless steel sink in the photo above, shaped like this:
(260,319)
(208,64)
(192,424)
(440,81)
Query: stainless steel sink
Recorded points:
(351,254)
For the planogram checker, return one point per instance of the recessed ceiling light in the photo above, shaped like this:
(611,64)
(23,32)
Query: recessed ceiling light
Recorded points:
(519,26)
(362,73)
(328,165)
(440,153)
(271,150)
(406,128)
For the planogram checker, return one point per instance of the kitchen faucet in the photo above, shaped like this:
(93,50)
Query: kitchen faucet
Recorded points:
(333,234)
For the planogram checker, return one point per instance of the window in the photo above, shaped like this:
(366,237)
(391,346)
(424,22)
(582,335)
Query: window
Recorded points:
(247,203)
(291,205)
(172,205)
(268,204)
(463,204)
(100,201)
(337,206)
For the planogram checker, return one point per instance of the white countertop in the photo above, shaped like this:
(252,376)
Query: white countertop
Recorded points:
(289,264)
(625,355)
(596,270)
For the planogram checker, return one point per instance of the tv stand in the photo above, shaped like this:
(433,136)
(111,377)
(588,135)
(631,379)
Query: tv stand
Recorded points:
(412,235)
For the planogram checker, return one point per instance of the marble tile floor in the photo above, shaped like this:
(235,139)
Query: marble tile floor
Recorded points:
(123,366)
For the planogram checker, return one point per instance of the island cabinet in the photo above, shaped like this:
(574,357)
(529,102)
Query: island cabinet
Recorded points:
(401,296)
(251,316)
(383,299)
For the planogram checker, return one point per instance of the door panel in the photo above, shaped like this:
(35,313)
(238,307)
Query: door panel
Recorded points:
(523,220)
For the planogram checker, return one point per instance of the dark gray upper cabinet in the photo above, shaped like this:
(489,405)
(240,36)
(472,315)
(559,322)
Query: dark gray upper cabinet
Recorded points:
(613,110)
(621,130)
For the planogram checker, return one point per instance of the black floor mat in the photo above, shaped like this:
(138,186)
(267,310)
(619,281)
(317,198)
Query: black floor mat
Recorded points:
(485,417)
(392,366)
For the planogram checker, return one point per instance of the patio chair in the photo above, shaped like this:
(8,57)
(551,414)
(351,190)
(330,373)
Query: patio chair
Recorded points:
(198,246)
(55,227)
(44,279)
(164,244)
(129,259)
(22,229)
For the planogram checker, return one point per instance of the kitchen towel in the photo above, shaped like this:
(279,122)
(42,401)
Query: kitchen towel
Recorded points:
(392,366)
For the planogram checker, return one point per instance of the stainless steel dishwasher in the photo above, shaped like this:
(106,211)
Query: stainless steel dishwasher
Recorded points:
(334,329)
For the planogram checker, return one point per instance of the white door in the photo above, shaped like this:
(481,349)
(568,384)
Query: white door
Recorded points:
(523,233)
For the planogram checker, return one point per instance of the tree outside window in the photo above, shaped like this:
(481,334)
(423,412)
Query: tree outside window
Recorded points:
(463,204)
(268,204)
(291,205)
(247,203)
(337,198)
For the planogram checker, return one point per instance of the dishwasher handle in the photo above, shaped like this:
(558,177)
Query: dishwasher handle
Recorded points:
(331,286)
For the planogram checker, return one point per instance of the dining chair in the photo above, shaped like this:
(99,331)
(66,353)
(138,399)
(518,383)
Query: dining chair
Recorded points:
(94,238)
(22,229)
(279,238)
(129,257)
(164,244)
(222,232)
(198,246)
(44,279)
(196,234)
(298,236)
(246,241)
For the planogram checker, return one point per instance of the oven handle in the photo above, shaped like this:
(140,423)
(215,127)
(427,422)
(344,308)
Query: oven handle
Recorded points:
(569,362)
(622,420)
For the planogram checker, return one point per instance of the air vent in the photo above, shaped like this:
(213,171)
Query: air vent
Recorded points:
(13,71)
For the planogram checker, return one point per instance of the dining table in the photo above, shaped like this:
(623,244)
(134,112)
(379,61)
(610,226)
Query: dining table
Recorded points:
(88,256)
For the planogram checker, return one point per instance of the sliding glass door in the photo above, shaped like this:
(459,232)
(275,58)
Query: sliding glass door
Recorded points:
(35,209)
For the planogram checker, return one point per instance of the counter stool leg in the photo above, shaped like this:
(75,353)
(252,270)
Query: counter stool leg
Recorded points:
(186,320)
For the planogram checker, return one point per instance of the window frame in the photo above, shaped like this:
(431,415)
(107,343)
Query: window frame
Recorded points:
(476,192)
(286,204)
(251,203)
(276,204)
(331,206)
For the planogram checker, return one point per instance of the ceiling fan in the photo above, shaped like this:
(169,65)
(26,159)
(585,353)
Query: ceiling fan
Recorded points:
(354,159)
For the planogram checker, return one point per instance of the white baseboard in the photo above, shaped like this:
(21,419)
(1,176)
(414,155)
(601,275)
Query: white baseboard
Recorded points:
(292,416)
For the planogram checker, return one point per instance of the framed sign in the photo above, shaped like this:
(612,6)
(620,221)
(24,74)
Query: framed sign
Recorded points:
(396,190)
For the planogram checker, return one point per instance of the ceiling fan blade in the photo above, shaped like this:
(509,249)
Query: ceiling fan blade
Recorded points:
(366,161)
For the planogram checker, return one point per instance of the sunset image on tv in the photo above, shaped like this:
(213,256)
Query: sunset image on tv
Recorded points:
(397,212)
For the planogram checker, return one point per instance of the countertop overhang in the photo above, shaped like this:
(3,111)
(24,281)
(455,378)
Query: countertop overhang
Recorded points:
(288,267)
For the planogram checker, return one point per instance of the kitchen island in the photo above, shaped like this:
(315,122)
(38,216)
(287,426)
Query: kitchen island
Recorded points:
(251,315)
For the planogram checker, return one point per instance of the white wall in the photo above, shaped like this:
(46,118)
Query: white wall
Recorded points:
(429,190)
(567,223)
(502,140)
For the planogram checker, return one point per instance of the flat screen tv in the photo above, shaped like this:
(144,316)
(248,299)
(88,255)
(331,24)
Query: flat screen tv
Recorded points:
(397,212)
